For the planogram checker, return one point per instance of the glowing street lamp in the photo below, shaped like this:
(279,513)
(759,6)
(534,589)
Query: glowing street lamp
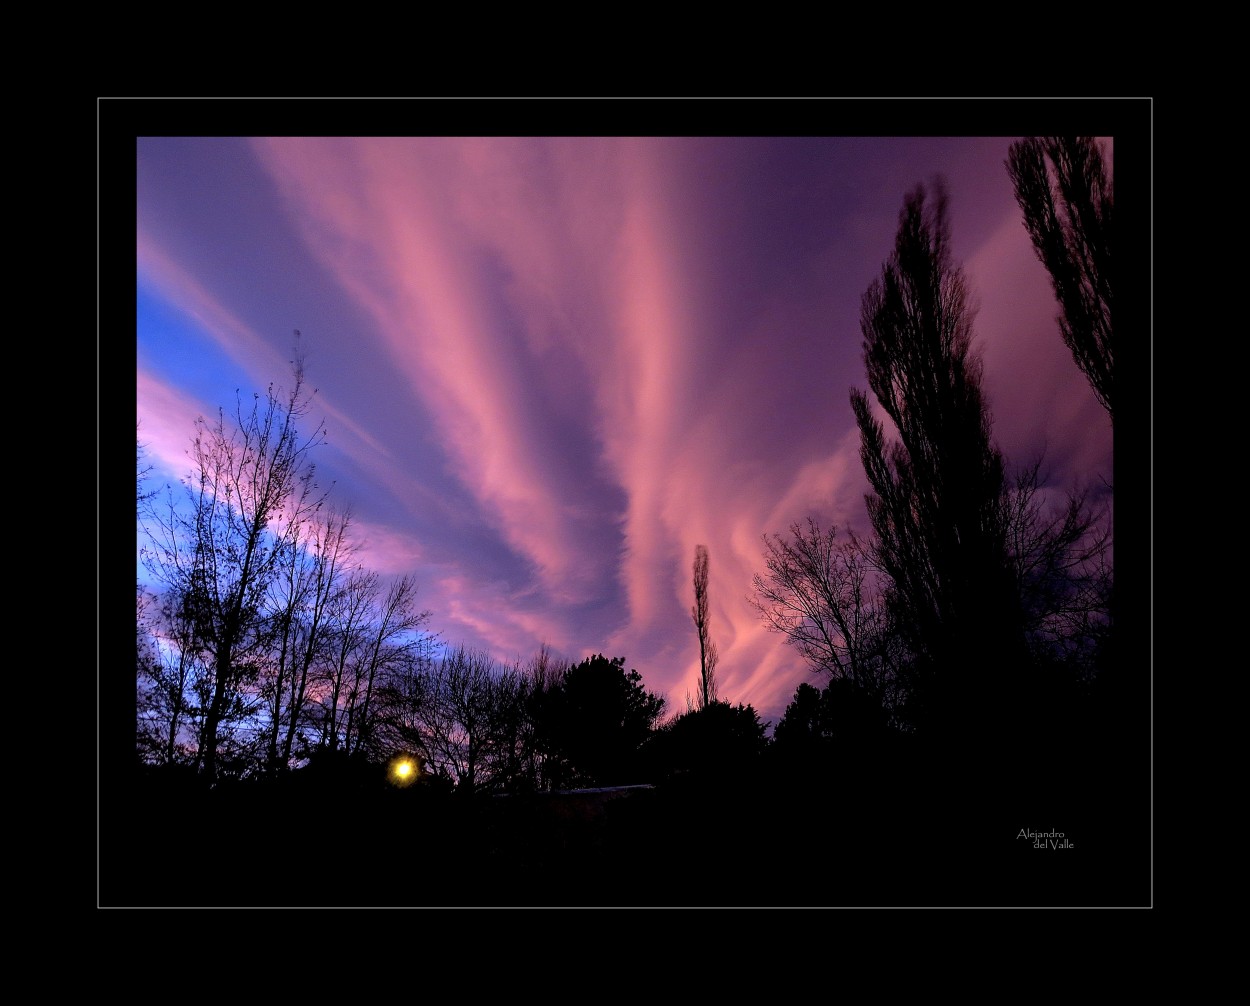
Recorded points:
(403,771)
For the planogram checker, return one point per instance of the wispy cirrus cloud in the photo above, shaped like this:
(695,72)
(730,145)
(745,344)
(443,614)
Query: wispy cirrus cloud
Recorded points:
(559,364)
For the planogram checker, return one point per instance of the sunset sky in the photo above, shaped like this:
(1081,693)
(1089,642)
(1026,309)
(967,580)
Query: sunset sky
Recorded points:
(551,367)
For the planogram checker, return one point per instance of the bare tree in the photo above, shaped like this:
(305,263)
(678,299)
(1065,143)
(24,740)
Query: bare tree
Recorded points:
(341,671)
(1065,193)
(708,656)
(302,600)
(395,633)
(470,718)
(251,482)
(817,593)
(1061,559)
(170,667)
(142,471)
(538,678)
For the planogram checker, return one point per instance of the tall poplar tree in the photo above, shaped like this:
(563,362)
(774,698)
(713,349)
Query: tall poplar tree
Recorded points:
(937,497)
(708,656)
(1065,194)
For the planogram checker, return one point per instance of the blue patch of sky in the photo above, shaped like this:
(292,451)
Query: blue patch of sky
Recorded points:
(176,350)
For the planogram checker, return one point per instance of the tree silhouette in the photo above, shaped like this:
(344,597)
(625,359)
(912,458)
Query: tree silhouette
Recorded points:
(702,620)
(405,698)
(839,716)
(1063,189)
(303,597)
(252,482)
(394,633)
(1061,562)
(819,593)
(340,672)
(469,720)
(592,723)
(142,471)
(718,741)
(937,492)
(170,670)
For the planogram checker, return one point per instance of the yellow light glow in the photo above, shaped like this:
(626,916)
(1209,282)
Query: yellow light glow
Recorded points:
(403,771)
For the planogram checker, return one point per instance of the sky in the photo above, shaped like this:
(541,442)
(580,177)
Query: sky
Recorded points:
(550,367)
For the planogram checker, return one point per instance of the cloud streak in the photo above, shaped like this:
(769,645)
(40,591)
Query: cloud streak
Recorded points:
(565,362)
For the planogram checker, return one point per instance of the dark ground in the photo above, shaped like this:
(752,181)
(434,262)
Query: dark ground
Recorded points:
(912,834)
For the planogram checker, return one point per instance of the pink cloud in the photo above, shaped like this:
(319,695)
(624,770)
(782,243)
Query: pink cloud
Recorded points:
(165,416)
(398,245)
(550,304)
